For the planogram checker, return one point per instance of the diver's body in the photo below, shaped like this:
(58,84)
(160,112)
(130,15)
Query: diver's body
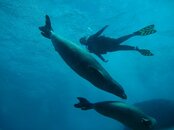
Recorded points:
(99,44)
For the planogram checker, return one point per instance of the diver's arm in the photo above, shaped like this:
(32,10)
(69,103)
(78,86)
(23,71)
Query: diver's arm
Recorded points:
(100,31)
(124,38)
(101,57)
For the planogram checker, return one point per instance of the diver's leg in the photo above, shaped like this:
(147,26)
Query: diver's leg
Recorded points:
(144,52)
(142,32)
(126,48)
(121,48)
(124,38)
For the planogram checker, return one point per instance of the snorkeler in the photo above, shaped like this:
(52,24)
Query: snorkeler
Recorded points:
(99,44)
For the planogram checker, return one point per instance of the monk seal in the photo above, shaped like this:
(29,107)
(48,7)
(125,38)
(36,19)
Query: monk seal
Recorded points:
(82,62)
(128,115)
(161,109)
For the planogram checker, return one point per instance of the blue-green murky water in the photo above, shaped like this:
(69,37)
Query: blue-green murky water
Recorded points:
(38,90)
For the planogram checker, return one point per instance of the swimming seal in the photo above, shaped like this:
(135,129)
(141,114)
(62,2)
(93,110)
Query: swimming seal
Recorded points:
(161,109)
(128,115)
(82,62)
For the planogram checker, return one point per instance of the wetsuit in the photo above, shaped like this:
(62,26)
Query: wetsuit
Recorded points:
(99,44)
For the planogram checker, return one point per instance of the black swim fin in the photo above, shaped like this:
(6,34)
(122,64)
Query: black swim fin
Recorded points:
(144,52)
(83,104)
(146,30)
(46,30)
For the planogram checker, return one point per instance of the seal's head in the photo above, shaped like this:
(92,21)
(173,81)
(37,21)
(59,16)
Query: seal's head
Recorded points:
(148,123)
(116,89)
(121,94)
(83,40)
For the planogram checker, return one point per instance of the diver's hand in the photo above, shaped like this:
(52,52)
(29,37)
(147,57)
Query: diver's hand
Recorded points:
(102,58)
(105,60)
(106,26)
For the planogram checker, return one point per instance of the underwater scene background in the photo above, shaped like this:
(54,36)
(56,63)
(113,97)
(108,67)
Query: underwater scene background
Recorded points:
(38,90)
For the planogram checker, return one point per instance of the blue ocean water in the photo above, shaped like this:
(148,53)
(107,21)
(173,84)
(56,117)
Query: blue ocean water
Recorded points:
(37,88)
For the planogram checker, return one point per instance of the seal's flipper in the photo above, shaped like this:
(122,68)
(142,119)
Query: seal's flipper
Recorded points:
(83,104)
(95,72)
(146,30)
(46,30)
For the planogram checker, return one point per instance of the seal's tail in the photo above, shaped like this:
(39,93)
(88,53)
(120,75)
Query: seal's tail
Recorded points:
(146,30)
(83,104)
(46,30)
